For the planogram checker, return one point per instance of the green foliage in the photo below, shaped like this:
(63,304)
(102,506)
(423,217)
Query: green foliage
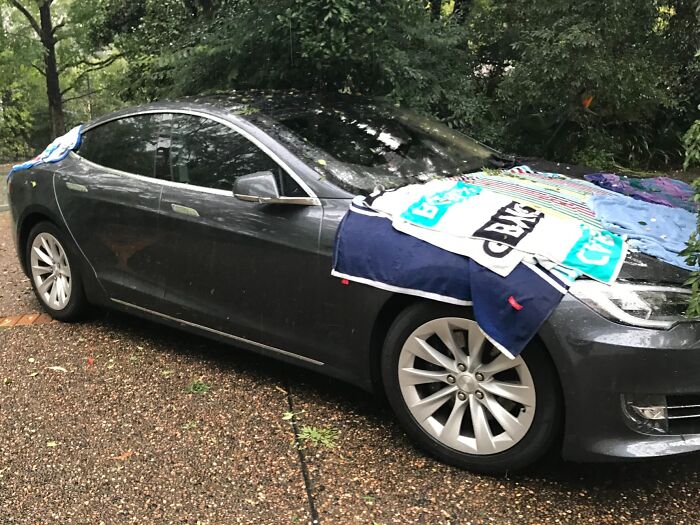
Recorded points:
(599,83)
(15,123)
(198,387)
(692,254)
(323,437)
(691,143)
(546,58)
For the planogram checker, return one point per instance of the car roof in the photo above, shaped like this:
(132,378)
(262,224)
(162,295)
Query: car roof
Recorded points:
(276,102)
(246,103)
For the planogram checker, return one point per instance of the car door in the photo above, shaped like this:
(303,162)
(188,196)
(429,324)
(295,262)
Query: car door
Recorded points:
(110,200)
(244,268)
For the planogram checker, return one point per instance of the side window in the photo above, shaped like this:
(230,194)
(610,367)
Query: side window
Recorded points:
(206,153)
(127,144)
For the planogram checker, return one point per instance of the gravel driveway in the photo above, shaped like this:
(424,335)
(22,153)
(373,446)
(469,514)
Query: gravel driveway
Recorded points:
(119,420)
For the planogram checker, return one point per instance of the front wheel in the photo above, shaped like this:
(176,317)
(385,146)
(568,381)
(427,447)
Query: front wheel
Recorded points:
(461,399)
(54,273)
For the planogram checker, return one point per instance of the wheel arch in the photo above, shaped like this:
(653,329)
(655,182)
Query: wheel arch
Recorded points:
(386,316)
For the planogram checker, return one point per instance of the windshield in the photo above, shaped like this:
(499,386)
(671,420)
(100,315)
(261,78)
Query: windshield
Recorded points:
(362,146)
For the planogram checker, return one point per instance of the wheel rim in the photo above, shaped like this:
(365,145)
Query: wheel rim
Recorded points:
(463,391)
(51,271)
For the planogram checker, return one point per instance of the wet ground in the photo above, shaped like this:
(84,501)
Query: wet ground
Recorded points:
(118,420)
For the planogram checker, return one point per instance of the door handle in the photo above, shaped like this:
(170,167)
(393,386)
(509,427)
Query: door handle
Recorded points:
(184,210)
(76,187)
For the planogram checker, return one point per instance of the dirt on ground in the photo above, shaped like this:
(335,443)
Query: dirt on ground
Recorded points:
(119,420)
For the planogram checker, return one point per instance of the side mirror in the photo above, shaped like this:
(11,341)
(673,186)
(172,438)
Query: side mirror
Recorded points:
(256,187)
(261,187)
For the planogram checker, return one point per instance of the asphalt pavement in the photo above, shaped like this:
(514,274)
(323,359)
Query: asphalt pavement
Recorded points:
(119,420)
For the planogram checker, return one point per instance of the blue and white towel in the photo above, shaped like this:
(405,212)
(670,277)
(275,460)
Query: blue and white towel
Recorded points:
(497,231)
(54,152)
(509,310)
(653,229)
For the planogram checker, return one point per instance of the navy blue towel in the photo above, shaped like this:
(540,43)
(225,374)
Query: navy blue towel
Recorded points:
(509,310)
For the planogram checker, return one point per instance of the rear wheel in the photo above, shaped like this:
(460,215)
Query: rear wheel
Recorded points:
(55,279)
(461,399)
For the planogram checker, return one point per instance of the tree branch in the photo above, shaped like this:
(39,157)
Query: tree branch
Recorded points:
(77,97)
(58,26)
(96,67)
(35,25)
(38,69)
(86,62)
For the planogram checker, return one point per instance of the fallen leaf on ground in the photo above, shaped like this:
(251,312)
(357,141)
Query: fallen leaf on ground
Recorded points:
(123,457)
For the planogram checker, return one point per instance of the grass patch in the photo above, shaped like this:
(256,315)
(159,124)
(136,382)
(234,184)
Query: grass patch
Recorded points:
(323,437)
(198,387)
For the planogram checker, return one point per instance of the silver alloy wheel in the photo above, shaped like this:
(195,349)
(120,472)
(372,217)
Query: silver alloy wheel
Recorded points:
(462,391)
(51,271)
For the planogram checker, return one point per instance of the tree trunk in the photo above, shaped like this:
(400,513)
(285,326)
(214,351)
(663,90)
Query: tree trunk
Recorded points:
(461,9)
(53,87)
(435,9)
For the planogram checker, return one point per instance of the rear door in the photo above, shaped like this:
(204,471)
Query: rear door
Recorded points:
(243,268)
(110,201)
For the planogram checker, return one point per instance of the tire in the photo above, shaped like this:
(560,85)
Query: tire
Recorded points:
(53,269)
(464,422)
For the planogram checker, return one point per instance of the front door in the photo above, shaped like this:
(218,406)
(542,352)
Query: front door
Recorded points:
(242,268)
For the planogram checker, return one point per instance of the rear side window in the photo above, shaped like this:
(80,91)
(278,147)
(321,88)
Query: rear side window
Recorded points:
(127,144)
(206,153)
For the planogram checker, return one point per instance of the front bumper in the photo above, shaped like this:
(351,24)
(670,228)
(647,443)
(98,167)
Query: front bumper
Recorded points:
(604,366)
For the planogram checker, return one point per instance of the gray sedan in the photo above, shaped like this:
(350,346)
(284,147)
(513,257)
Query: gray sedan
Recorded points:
(218,215)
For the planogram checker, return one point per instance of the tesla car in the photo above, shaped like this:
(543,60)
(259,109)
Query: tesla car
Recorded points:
(218,214)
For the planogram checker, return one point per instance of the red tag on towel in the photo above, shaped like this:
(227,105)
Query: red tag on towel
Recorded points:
(515,304)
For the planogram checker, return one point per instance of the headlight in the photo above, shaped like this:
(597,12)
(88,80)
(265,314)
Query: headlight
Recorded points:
(647,306)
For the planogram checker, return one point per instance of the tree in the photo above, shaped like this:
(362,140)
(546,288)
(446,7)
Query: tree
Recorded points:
(600,83)
(435,9)
(46,30)
(52,27)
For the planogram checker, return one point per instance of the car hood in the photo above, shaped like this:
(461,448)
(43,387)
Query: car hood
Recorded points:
(643,268)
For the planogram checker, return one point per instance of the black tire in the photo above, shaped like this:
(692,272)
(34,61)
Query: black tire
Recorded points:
(543,429)
(76,305)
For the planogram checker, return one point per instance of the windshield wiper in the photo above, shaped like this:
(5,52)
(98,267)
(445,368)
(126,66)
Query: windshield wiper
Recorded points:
(500,162)
(492,161)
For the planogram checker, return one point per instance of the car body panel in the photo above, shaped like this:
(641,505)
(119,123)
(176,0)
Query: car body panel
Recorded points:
(598,361)
(250,255)
(113,217)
